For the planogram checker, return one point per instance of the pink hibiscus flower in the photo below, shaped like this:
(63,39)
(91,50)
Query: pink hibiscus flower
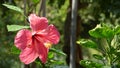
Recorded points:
(36,43)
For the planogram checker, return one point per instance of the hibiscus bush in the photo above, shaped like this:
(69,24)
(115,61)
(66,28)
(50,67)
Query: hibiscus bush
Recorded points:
(105,40)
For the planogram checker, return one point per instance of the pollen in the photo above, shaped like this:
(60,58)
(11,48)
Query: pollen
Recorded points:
(48,45)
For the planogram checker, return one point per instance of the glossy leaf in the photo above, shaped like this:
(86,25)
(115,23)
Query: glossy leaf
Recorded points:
(57,51)
(96,56)
(117,30)
(15,8)
(15,27)
(50,55)
(87,43)
(101,32)
(90,64)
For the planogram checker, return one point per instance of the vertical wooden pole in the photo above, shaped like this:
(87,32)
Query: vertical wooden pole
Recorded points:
(25,19)
(44,8)
(40,8)
(73,34)
(24,7)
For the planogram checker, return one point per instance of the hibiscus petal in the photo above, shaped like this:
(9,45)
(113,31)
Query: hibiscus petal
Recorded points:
(41,49)
(21,39)
(49,35)
(28,55)
(38,23)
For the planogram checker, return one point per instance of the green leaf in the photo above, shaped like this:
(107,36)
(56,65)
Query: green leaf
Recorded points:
(15,8)
(35,1)
(96,56)
(87,43)
(90,64)
(15,27)
(50,55)
(101,32)
(57,51)
(117,30)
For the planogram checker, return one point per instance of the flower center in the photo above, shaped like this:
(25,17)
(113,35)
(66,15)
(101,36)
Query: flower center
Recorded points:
(48,45)
(33,33)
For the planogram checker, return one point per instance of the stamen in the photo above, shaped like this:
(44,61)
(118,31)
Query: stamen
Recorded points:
(48,45)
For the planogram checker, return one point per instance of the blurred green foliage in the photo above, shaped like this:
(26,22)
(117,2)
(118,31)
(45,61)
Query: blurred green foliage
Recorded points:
(106,12)
(106,42)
